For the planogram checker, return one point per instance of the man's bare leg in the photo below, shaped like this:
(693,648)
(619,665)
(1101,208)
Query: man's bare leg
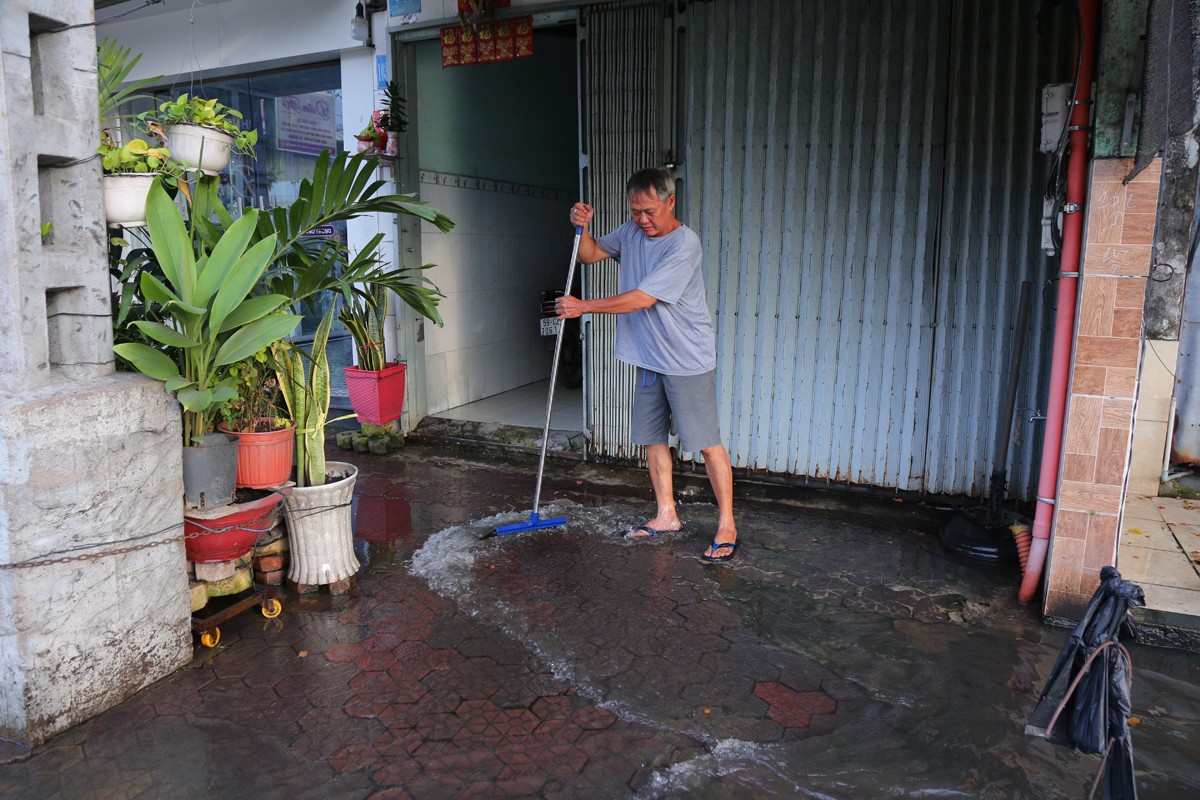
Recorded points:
(658,459)
(720,475)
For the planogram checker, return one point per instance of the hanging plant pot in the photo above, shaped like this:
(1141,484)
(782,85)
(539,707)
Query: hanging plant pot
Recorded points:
(376,396)
(264,458)
(125,199)
(205,149)
(210,471)
(320,534)
(229,532)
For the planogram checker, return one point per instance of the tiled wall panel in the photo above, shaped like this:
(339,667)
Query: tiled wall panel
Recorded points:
(1104,384)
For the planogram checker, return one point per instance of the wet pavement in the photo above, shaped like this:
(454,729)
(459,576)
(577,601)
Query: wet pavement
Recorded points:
(843,654)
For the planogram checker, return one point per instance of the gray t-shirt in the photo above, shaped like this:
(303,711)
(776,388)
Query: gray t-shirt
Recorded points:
(675,335)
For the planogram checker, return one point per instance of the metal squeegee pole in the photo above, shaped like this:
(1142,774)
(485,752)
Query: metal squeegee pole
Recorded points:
(562,327)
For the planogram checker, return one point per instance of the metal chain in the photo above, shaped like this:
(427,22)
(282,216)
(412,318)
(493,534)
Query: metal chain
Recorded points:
(44,561)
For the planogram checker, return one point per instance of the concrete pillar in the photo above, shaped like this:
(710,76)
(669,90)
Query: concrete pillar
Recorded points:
(93,586)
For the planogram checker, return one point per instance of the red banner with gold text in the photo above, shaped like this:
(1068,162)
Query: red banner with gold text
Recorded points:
(491,41)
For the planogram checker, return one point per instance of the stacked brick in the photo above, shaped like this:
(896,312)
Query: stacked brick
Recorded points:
(265,565)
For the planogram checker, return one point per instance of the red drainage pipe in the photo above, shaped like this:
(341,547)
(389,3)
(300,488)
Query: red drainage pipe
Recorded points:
(1068,280)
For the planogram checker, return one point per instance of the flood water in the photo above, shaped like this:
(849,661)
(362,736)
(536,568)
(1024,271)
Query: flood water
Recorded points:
(842,654)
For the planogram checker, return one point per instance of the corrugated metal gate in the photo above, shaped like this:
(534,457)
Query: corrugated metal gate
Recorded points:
(620,49)
(865,179)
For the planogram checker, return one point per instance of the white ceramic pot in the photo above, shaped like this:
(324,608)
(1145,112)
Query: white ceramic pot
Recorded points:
(125,199)
(206,149)
(320,534)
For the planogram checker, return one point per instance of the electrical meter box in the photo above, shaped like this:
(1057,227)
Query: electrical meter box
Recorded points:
(1056,112)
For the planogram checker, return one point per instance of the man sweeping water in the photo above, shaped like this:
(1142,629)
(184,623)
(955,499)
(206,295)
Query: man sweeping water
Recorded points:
(663,330)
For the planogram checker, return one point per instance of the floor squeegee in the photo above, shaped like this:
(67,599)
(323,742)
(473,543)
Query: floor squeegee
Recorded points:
(535,521)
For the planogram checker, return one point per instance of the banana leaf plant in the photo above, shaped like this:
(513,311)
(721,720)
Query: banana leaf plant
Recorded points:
(210,316)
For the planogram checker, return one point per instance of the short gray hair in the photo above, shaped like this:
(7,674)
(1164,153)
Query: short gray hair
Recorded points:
(658,180)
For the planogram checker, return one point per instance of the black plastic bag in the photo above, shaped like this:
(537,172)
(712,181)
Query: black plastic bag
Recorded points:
(1086,702)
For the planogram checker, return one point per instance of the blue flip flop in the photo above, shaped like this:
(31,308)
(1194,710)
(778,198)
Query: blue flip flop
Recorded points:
(716,559)
(646,529)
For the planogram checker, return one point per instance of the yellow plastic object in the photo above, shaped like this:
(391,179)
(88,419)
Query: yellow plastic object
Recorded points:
(272,609)
(210,638)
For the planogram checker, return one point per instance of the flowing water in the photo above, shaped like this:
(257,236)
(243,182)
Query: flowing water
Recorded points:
(833,659)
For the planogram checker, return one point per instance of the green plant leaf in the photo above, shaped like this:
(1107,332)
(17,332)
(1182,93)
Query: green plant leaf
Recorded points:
(252,309)
(171,243)
(254,337)
(241,277)
(165,334)
(196,400)
(175,384)
(148,361)
(225,254)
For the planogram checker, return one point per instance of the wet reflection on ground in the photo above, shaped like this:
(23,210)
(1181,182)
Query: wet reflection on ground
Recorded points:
(842,655)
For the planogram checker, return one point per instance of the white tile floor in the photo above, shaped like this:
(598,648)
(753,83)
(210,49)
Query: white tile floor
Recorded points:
(1159,549)
(525,406)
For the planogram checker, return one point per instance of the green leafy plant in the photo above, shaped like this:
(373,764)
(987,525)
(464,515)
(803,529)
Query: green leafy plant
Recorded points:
(258,406)
(138,157)
(300,269)
(210,318)
(113,65)
(393,118)
(363,313)
(208,113)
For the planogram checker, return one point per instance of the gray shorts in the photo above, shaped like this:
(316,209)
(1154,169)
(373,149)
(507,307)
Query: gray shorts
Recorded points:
(688,400)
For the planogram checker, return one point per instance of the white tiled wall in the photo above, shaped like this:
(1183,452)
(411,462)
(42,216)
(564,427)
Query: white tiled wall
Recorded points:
(509,244)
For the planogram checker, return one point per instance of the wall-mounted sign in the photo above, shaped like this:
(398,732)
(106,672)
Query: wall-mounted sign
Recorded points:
(399,7)
(382,73)
(306,123)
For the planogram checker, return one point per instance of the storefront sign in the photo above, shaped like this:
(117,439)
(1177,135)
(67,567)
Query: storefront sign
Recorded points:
(306,123)
(320,230)
(399,7)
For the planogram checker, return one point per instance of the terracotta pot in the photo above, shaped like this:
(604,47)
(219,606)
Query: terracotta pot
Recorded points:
(125,199)
(320,534)
(376,396)
(229,532)
(264,459)
(206,149)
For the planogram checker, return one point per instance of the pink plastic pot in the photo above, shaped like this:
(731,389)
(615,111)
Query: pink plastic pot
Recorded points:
(376,397)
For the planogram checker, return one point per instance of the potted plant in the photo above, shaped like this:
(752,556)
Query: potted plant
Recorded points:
(321,536)
(129,167)
(266,443)
(211,321)
(376,387)
(393,117)
(202,132)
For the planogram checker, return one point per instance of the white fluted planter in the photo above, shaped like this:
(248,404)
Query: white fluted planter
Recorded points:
(320,535)
(206,149)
